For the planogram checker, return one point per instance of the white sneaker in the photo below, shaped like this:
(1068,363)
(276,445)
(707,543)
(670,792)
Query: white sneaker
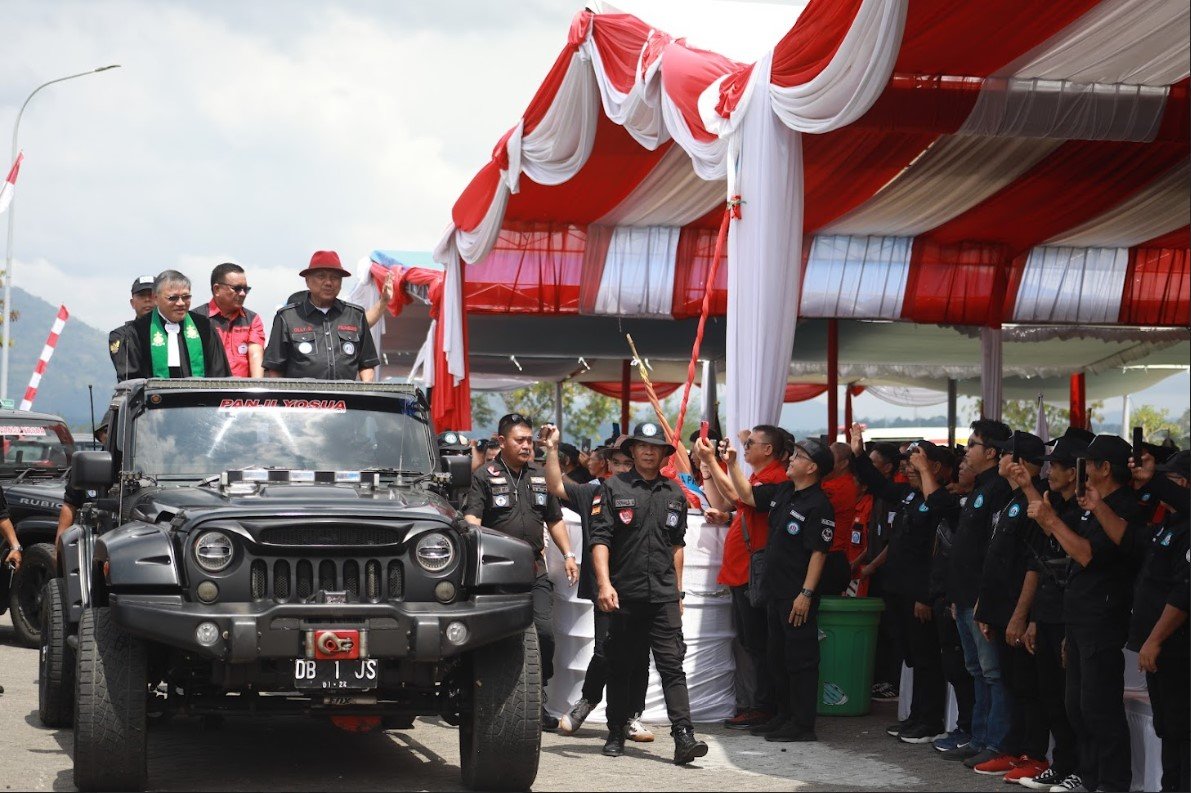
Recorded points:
(636,731)
(572,720)
(1044,781)
(1072,784)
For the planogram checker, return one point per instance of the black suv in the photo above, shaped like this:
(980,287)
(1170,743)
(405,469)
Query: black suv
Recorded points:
(35,450)
(284,546)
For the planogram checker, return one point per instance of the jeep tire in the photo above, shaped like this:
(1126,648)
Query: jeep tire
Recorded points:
(55,678)
(25,595)
(111,689)
(500,737)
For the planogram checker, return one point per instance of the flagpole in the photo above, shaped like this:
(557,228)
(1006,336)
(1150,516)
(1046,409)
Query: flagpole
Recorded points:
(7,318)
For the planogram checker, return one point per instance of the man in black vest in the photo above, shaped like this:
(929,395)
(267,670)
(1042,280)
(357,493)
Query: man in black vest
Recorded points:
(171,340)
(119,339)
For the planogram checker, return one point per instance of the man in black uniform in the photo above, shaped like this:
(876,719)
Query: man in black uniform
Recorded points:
(142,302)
(1096,608)
(322,337)
(801,528)
(887,666)
(638,531)
(907,578)
(1158,631)
(510,496)
(171,340)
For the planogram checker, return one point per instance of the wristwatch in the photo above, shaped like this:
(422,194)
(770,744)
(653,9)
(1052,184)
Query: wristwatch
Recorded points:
(810,593)
(568,555)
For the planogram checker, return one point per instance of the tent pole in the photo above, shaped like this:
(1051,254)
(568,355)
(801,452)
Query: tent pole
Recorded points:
(952,391)
(990,373)
(626,374)
(847,409)
(832,380)
(1079,406)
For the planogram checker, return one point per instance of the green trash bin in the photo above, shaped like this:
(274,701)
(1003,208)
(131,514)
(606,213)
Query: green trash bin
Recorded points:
(847,649)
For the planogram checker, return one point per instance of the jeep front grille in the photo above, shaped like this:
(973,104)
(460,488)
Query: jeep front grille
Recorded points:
(365,580)
(332,535)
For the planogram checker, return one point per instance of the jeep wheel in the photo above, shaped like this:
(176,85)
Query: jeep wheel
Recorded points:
(24,599)
(55,679)
(500,739)
(110,747)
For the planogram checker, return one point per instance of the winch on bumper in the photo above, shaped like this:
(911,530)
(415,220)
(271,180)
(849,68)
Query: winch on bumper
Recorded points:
(245,632)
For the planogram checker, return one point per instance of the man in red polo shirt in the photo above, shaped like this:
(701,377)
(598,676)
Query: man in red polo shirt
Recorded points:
(764,451)
(240,330)
(843,492)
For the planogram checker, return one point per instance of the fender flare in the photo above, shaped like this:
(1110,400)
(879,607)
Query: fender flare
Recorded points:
(138,555)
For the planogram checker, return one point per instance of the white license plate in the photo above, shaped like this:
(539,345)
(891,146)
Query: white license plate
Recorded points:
(360,674)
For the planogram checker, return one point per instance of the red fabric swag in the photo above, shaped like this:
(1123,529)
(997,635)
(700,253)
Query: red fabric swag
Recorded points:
(813,41)
(1157,287)
(637,392)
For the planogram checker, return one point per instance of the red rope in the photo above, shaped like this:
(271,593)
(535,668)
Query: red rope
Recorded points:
(732,210)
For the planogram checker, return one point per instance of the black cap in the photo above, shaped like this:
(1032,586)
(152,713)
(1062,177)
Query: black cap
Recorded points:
(1066,450)
(1109,449)
(142,283)
(570,451)
(647,432)
(1160,453)
(820,454)
(1025,445)
(887,451)
(1179,463)
(453,441)
(933,453)
(1074,433)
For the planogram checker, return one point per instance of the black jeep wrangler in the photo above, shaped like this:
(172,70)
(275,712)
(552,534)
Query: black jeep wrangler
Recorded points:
(35,449)
(283,546)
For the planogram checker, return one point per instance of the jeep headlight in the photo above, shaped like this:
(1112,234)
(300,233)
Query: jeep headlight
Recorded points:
(213,551)
(434,552)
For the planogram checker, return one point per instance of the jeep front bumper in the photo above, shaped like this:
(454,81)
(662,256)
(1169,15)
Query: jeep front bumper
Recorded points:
(252,631)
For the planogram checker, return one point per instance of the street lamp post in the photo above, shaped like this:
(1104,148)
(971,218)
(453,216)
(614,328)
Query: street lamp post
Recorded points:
(11,220)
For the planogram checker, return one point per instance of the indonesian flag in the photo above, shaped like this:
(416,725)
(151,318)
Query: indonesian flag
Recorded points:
(10,184)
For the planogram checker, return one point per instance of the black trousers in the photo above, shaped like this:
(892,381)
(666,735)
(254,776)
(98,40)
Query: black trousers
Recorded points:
(543,623)
(887,667)
(1170,694)
(919,643)
(1029,729)
(794,663)
(1095,703)
(597,669)
(752,631)
(955,671)
(1052,681)
(634,629)
(837,573)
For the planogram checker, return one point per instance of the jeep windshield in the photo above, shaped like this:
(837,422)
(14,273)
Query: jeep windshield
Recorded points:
(34,444)
(190,436)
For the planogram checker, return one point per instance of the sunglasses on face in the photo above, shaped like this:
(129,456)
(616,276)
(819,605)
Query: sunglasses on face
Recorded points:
(239,290)
(750,443)
(974,444)
(178,298)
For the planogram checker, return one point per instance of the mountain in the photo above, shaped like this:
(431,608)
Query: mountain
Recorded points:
(81,358)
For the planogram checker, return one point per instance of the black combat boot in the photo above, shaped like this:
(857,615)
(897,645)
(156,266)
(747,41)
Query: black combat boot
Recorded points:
(686,746)
(614,746)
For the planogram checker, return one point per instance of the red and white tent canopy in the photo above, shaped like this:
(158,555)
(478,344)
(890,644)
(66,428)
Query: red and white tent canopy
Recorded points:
(941,161)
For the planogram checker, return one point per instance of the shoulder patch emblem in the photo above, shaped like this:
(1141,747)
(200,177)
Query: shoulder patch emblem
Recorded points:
(923,507)
(492,469)
(827,534)
(114,347)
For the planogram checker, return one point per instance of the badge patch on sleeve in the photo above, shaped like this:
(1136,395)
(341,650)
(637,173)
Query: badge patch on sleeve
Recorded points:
(671,520)
(827,534)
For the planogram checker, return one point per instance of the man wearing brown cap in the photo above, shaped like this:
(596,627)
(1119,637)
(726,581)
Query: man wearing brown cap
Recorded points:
(142,302)
(321,336)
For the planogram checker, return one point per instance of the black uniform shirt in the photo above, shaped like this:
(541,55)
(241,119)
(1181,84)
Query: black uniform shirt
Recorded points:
(514,503)
(966,561)
(911,535)
(581,498)
(1005,562)
(641,523)
(1163,574)
(800,523)
(1102,591)
(1048,559)
(120,341)
(305,342)
(3,505)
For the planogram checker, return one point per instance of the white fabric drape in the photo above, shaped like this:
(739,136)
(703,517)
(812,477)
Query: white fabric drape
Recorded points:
(953,175)
(709,158)
(638,277)
(856,277)
(365,293)
(561,143)
(672,194)
(423,366)
(1072,285)
(906,396)
(639,110)
(1037,108)
(1162,206)
(763,290)
(452,316)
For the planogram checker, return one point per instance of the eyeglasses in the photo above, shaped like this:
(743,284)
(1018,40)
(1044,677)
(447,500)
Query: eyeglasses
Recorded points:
(750,443)
(973,444)
(178,298)
(239,290)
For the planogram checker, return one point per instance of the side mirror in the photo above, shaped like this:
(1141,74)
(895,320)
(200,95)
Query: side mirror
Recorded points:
(459,467)
(91,471)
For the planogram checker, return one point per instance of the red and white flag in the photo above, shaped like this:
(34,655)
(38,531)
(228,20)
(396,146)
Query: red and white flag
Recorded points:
(43,360)
(10,184)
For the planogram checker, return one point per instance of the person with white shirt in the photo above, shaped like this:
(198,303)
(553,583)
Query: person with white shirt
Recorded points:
(171,340)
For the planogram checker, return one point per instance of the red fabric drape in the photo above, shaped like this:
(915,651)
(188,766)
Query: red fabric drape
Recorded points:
(1079,410)
(687,72)
(637,392)
(692,262)
(952,284)
(923,103)
(450,403)
(809,46)
(1157,287)
(1179,238)
(619,39)
(533,268)
(801,392)
(595,255)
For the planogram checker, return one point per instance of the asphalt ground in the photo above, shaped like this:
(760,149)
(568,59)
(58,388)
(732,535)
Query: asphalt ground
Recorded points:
(306,754)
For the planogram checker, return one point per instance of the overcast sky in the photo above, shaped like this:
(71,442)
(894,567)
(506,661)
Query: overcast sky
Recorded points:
(258,132)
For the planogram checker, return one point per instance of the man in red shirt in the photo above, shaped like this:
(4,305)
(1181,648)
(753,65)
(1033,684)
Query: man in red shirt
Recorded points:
(240,330)
(764,450)
(843,493)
